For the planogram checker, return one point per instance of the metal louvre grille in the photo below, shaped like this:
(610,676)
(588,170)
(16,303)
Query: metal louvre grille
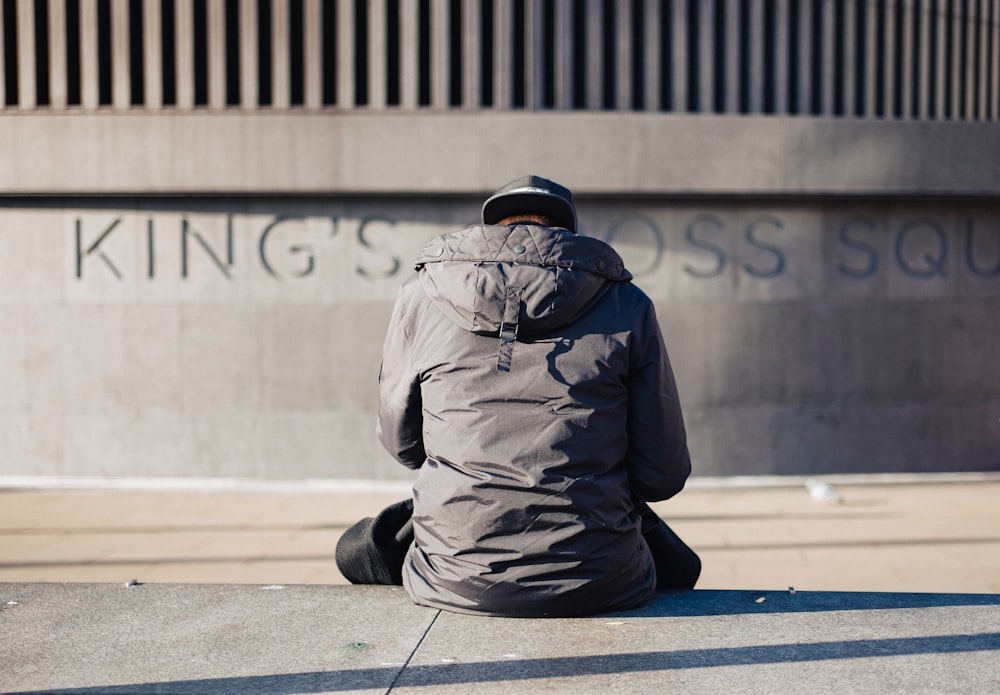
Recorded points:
(893,59)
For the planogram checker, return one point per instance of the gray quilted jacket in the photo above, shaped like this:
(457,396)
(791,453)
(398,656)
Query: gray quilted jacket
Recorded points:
(526,378)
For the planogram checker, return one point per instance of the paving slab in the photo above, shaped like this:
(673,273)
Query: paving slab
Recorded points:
(726,641)
(112,638)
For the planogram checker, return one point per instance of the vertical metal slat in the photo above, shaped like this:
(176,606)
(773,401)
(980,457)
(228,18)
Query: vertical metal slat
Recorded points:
(970,60)
(249,92)
(471,56)
(652,52)
(26,87)
(956,62)
(941,97)
(152,56)
(907,67)
(216,31)
(850,52)
(563,55)
(982,60)
(872,60)
(184,52)
(376,54)
(924,68)
(3,65)
(88,54)
(706,56)
(503,64)
(986,53)
(439,54)
(756,67)
(408,59)
(532,56)
(734,59)
(995,59)
(595,56)
(534,33)
(345,55)
(57,54)
(281,87)
(121,93)
(828,38)
(781,57)
(313,48)
(623,55)
(805,39)
(679,54)
(888,59)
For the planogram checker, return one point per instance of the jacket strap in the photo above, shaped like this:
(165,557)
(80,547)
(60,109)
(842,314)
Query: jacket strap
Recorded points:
(508,328)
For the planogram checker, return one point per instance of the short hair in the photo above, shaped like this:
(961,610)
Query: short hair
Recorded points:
(543,220)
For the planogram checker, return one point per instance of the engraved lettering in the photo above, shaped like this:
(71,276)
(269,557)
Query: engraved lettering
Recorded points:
(305,251)
(644,228)
(95,248)
(187,231)
(779,256)
(393,264)
(856,245)
(934,261)
(292,247)
(970,253)
(720,254)
(150,267)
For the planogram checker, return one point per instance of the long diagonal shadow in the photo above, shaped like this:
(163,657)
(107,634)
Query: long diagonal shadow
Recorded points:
(558,667)
(746,602)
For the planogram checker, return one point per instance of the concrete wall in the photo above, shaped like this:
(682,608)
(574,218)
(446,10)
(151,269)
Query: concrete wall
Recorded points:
(448,153)
(206,208)
(241,337)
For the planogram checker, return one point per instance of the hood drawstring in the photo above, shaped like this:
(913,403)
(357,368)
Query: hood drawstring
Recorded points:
(508,327)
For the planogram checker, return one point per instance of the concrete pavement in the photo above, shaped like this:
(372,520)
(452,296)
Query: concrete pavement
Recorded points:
(162,638)
(895,589)
(923,534)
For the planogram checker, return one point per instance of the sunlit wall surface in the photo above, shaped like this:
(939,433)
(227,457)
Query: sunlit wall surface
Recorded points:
(208,206)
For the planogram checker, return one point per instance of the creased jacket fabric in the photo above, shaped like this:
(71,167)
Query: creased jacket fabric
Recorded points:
(526,378)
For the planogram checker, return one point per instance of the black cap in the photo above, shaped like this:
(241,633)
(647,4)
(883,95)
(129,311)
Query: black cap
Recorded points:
(532,194)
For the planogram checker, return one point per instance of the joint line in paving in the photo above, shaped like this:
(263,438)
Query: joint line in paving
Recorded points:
(416,648)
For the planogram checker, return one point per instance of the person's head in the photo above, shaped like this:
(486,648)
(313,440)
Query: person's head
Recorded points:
(527,218)
(531,199)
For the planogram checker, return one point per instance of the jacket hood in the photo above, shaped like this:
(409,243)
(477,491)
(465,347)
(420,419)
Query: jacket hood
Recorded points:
(552,275)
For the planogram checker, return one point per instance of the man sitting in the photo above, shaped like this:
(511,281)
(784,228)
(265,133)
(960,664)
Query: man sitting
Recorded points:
(526,378)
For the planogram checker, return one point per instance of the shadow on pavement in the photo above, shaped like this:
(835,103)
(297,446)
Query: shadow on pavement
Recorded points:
(559,667)
(737,602)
